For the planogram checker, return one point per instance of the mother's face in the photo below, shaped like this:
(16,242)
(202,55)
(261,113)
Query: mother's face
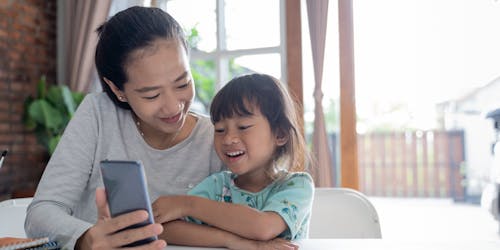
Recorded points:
(160,87)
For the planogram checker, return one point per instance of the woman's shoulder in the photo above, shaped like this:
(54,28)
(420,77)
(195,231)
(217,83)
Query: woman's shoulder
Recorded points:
(99,100)
(98,104)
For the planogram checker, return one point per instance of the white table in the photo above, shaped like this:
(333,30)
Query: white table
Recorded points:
(381,244)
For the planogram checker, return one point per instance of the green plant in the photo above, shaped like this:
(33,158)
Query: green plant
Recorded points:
(49,112)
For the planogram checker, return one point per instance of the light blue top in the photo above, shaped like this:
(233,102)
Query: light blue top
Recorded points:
(290,196)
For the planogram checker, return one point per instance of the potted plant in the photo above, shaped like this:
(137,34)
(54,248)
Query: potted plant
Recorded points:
(49,112)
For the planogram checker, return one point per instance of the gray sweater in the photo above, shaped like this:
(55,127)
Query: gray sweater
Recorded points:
(64,204)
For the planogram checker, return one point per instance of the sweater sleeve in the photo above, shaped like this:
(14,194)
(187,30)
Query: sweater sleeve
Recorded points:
(65,180)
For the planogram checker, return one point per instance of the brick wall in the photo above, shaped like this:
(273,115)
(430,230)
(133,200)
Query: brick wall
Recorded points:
(27,51)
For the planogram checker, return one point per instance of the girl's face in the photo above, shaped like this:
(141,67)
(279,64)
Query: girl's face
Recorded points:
(160,87)
(246,144)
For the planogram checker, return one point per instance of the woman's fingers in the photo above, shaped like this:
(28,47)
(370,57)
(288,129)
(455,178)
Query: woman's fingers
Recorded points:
(132,235)
(158,244)
(107,234)
(123,221)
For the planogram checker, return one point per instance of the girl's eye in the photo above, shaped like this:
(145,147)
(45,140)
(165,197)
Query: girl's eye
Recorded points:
(151,97)
(245,127)
(219,130)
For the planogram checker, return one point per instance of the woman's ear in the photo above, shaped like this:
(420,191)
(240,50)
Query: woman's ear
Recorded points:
(118,93)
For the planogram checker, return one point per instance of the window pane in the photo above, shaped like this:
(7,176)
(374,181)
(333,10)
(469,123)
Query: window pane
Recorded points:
(203,72)
(202,18)
(252,24)
(266,63)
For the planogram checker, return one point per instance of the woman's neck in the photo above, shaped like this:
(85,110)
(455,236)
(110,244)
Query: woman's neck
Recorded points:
(160,140)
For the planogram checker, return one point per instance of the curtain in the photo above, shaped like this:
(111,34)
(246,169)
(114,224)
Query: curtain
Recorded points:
(317,11)
(81,19)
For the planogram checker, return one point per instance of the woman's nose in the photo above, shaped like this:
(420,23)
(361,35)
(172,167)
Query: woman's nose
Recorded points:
(171,105)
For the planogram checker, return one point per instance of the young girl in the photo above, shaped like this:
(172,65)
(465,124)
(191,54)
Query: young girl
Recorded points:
(262,197)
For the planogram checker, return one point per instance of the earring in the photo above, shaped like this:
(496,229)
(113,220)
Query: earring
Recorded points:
(121,98)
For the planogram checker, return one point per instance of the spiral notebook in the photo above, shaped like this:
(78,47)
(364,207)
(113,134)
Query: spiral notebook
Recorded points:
(11,243)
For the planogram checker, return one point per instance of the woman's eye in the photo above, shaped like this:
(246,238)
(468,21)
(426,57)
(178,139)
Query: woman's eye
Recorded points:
(185,85)
(151,97)
(219,130)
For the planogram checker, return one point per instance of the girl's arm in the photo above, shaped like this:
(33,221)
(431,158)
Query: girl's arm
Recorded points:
(190,234)
(242,220)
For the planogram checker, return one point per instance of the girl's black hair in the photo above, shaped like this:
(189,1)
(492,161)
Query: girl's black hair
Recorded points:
(131,29)
(266,93)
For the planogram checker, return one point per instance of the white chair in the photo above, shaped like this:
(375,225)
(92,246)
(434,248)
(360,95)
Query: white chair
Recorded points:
(12,215)
(343,213)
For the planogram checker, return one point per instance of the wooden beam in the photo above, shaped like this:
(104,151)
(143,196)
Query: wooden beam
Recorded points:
(294,52)
(348,135)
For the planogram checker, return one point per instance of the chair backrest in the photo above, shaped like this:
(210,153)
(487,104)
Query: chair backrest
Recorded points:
(12,215)
(343,213)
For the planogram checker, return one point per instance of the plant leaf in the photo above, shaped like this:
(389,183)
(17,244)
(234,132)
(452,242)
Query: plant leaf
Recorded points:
(53,143)
(78,97)
(68,100)
(55,98)
(42,88)
(27,119)
(43,113)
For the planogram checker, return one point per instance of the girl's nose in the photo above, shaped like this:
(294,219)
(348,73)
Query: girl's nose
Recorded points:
(230,139)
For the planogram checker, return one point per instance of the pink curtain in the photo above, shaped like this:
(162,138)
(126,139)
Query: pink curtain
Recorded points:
(81,18)
(317,11)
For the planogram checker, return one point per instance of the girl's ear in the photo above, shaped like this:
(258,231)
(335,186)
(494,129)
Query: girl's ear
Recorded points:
(281,139)
(118,93)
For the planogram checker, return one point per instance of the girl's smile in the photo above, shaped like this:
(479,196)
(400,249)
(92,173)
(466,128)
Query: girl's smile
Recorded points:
(234,156)
(245,143)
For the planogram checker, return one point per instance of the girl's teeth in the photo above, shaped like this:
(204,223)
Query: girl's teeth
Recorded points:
(235,153)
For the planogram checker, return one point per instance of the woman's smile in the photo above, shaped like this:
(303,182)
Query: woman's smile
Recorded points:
(173,119)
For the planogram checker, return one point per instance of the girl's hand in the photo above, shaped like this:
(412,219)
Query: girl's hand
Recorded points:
(104,234)
(169,208)
(274,244)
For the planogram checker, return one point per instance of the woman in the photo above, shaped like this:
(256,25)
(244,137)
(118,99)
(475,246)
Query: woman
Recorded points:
(142,61)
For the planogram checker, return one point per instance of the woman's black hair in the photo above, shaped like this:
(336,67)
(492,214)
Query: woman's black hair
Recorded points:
(267,94)
(129,30)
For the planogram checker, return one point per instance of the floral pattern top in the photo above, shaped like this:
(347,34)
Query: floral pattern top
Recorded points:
(290,196)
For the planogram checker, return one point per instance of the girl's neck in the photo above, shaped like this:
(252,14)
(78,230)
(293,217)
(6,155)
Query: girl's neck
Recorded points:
(253,182)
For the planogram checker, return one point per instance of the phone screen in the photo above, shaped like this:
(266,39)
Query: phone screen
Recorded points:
(126,191)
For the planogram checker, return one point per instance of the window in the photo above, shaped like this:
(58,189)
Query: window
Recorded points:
(228,40)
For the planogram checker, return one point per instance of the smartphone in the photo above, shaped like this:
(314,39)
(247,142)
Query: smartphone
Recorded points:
(126,191)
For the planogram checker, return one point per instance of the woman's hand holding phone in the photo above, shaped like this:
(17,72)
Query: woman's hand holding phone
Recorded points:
(105,233)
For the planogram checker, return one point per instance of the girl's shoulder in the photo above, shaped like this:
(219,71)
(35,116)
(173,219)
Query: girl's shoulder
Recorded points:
(221,177)
(298,176)
(296,179)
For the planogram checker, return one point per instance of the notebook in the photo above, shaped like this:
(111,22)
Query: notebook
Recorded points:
(11,243)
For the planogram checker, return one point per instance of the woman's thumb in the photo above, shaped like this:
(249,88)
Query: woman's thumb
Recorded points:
(102,204)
